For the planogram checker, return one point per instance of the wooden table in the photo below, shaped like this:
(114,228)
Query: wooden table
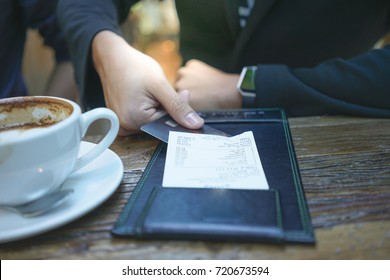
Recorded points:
(345,168)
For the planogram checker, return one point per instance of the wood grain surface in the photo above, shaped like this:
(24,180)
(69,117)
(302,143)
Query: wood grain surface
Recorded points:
(345,168)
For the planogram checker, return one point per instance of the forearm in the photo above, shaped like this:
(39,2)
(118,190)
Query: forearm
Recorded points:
(109,52)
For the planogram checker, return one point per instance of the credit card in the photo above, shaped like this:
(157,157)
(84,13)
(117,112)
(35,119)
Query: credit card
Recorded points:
(161,127)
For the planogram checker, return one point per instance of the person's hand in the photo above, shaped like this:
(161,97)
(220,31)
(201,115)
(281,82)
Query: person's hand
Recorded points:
(135,86)
(208,87)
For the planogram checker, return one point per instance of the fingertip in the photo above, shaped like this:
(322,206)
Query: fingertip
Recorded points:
(194,121)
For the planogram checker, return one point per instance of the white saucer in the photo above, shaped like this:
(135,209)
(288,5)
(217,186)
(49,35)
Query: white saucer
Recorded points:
(91,185)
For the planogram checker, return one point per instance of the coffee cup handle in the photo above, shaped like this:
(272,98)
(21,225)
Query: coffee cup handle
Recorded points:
(86,119)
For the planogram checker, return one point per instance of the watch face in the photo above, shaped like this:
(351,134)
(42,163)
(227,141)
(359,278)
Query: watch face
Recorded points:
(248,82)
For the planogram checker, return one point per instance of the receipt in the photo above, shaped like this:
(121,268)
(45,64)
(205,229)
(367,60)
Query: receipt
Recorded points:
(213,161)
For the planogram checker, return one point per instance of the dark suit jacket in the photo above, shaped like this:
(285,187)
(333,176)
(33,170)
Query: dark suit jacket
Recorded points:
(314,56)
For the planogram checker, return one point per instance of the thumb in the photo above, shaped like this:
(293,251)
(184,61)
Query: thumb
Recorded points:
(177,105)
(184,95)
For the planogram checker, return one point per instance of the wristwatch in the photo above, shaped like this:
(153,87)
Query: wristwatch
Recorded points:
(247,86)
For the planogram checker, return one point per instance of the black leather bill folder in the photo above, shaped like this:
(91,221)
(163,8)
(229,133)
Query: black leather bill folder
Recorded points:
(278,214)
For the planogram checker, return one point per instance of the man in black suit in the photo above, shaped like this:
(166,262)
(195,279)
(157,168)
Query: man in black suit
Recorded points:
(310,57)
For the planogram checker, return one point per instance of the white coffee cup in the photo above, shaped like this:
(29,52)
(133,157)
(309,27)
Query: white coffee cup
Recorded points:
(39,144)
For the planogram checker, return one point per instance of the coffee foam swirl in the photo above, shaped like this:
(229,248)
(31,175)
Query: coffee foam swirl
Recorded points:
(23,116)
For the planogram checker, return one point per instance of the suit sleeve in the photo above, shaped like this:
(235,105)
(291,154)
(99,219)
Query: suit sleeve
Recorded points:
(81,21)
(359,86)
